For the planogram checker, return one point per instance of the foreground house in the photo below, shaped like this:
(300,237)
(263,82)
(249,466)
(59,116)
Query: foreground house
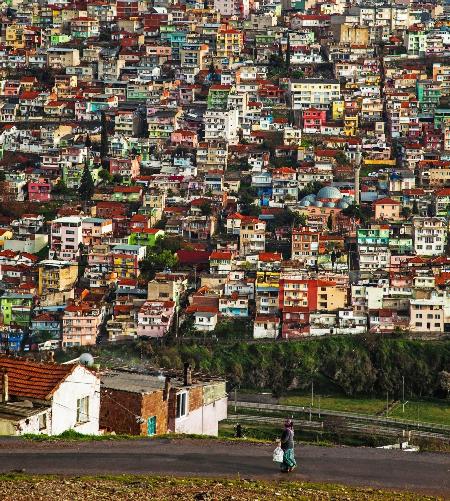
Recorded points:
(153,405)
(47,398)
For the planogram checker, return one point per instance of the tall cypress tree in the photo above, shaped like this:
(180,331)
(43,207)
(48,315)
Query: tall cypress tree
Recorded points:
(104,139)
(288,52)
(86,188)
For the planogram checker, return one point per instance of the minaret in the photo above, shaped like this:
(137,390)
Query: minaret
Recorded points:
(357,193)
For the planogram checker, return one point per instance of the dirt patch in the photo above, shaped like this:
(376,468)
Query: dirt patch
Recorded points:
(17,487)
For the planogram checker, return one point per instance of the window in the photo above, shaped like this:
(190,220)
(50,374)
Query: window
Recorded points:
(42,421)
(83,410)
(181,404)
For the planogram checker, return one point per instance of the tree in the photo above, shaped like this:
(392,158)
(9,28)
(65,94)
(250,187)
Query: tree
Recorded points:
(86,188)
(330,222)
(341,158)
(206,209)
(104,175)
(288,52)
(104,137)
(406,212)
(157,260)
(415,208)
(444,382)
(88,142)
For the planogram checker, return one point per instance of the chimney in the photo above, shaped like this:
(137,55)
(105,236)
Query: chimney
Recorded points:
(5,389)
(167,386)
(187,374)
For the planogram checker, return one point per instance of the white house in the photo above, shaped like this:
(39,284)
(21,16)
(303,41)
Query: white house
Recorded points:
(47,398)
(205,320)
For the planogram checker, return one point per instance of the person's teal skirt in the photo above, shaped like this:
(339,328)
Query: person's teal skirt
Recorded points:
(288,460)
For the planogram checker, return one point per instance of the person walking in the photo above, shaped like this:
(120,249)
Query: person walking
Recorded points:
(287,445)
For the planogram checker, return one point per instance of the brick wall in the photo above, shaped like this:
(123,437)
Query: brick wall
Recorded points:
(118,410)
(195,398)
(154,405)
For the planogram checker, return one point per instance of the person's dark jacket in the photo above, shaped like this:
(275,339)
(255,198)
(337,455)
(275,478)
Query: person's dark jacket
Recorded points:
(287,439)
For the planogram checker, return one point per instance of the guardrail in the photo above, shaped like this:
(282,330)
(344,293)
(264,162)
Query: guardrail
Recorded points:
(318,426)
(349,415)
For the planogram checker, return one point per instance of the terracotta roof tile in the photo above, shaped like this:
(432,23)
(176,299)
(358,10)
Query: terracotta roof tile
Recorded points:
(34,379)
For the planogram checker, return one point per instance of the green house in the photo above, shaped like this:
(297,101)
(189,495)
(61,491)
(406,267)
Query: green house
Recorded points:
(16,308)
(145,236)
(428,94)
(373,236)
(218,97)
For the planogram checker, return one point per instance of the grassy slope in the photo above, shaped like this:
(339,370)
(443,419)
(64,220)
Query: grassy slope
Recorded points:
(127,487)
(337,403)
(433,411)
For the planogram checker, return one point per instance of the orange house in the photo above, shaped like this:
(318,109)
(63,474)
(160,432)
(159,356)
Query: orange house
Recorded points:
(387,208)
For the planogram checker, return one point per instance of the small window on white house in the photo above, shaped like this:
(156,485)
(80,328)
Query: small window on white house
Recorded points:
(181,404)
(42,421)
(83,410)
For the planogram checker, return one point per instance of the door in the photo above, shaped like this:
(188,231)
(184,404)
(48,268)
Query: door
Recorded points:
(151,426)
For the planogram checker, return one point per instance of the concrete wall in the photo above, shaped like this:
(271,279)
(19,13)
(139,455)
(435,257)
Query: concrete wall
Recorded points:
(30,246)
(203,420)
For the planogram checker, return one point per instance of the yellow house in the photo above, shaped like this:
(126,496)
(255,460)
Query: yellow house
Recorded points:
(338,110)
(14,36)
(56,276)
(330,296)
(350,124)
(5,235)
(229,42)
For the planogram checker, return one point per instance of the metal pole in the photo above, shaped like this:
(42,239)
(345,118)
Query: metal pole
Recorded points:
(403,393)
(235,400)
(387,403)
(319,406)
(312,393)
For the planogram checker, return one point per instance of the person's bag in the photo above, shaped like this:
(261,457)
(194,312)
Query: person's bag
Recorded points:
(278,455)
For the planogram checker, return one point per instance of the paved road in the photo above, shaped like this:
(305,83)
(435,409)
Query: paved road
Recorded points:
(424,472)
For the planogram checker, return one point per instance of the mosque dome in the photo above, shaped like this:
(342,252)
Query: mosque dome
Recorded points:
(329,193)
(310,198)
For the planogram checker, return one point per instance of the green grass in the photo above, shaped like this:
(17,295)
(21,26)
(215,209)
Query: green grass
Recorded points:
(430,411)
(74,436)
(361,405)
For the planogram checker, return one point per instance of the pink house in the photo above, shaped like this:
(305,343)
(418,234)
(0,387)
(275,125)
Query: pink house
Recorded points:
(125,167)
(81,324)
(182,137)
(155,318)
(39,191)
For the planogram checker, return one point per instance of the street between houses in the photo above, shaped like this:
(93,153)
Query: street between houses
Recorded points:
(424,472)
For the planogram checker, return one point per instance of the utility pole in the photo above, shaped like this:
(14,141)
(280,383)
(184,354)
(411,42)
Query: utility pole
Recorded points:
(312,393)
(235,399)
(319,406)
(403,393)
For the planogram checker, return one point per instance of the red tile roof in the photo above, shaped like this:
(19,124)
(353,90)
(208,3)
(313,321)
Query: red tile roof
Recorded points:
(34,379)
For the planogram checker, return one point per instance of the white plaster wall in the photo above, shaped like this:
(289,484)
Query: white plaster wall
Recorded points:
(79,384)
(205,420)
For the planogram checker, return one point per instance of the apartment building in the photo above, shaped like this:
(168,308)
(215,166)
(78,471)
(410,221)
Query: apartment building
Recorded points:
(66,235)
(313,93)
(252,236)
(429,235)
(81,324)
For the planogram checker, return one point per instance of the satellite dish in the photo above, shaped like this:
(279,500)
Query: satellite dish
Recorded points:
(86,359)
